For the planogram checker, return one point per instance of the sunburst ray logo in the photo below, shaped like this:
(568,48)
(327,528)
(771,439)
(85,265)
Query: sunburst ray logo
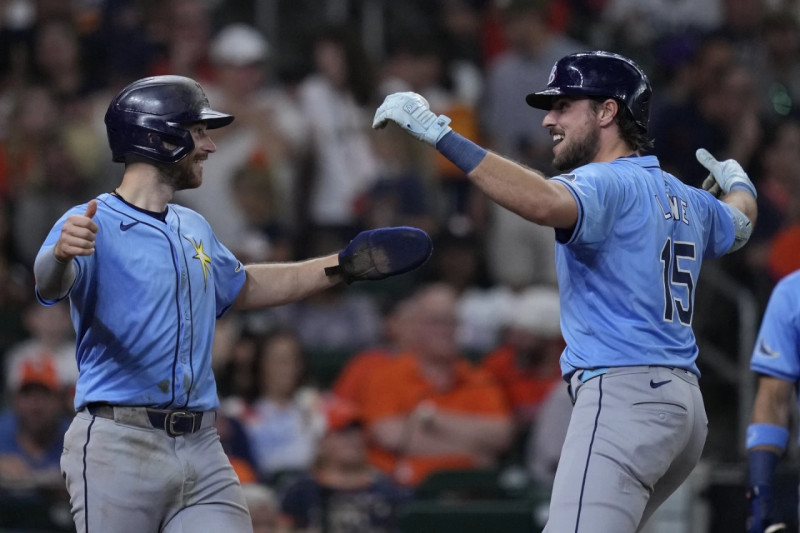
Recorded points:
(205,260)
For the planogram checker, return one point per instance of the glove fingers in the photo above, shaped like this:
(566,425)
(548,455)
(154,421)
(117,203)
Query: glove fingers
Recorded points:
(380,119)
(397,250)
(380,253)
(710,184)
(706,159)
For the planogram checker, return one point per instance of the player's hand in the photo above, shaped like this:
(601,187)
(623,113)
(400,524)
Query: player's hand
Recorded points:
(761,519)
(728,174)
(412,113)
(77,235)
(380,253)
(711,185)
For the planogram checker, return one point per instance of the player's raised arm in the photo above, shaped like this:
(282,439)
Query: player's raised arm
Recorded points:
(522,190)
(53,269)
(372,255)
(729,182)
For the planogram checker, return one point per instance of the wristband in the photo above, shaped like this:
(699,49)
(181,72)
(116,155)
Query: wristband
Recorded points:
(464,153)
(749,187)
(767,435)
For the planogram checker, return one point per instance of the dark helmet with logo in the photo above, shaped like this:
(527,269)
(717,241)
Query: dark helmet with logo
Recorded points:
(599,74)
(148,117)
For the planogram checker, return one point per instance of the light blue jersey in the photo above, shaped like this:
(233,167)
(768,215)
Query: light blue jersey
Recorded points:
(627,272)
(144,307)
(777,349)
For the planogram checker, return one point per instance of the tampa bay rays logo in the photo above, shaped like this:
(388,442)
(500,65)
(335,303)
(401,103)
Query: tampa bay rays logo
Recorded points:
(552,77)
(200,255)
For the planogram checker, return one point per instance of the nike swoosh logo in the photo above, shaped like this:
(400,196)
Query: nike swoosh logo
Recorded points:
(238,267)
(126,227)
(657,384)
(765,351)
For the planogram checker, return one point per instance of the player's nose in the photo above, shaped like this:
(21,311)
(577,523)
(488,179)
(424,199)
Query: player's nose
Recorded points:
(208,145)
(549,120)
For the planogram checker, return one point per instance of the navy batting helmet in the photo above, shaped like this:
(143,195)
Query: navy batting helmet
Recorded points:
(152,111)
(598,74)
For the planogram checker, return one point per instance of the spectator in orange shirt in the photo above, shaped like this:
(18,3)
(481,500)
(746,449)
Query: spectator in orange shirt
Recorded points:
(526,364)
(398,333)
(431,409)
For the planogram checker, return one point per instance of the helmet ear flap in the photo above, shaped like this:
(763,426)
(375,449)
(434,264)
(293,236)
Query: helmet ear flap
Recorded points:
(144,141)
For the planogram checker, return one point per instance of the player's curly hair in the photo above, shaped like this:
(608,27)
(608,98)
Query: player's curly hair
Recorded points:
(630,132)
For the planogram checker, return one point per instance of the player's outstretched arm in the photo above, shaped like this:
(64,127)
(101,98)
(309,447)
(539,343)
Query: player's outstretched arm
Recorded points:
(524,191)
(372,255)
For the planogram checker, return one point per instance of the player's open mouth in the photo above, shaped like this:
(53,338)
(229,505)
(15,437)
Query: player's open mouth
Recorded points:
(558,137)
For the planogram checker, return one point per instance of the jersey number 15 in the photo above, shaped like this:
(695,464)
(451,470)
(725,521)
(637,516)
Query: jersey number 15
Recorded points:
(677,279)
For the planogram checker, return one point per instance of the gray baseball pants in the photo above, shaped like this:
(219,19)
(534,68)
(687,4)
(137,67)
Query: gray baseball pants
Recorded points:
(634,436)
(126,477)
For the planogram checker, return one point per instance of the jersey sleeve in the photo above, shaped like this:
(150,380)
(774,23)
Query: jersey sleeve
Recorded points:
(229,275)
(718,225)
(599,199)
(777,349)
(82,263)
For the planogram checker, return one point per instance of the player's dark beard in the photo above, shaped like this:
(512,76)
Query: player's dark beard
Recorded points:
(181,175)
(578,153)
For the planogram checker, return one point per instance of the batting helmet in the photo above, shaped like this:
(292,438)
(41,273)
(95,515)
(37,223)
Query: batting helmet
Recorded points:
(152,111)
(598,74)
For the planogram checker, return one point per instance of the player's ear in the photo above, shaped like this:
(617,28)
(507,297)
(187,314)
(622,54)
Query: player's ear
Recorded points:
(607,111)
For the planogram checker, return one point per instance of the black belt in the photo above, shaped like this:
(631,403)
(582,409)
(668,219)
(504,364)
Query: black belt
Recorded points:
(175,422)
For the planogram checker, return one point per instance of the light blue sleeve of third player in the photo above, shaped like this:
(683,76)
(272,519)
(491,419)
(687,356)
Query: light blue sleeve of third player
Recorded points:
(777,349)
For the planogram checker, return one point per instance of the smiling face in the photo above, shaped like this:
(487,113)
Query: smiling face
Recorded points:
(188,172)
(575,128)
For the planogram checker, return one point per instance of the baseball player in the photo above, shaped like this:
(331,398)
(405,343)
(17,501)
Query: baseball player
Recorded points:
(146,280)
(630,239)
(776,360)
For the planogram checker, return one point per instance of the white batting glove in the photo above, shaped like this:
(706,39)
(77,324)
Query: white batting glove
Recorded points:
(726,174)
(412,112)
(711,185)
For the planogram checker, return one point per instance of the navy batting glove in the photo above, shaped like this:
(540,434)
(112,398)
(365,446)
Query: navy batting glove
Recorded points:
(380,253)
(761,519)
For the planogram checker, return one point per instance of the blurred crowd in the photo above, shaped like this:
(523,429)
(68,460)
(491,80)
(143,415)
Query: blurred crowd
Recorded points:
(335,409)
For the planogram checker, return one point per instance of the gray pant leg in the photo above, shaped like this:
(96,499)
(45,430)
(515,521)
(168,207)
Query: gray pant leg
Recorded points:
(627,443)
(685,462)
(117,476)
(210,517)
(131,480)
(213,499)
